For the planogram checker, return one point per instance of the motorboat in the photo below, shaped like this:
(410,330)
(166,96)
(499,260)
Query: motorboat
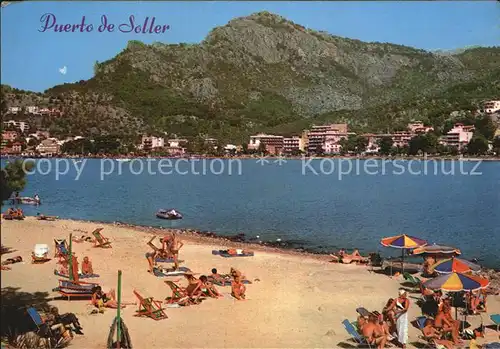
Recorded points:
(26,200)
(123,160)
(168,214)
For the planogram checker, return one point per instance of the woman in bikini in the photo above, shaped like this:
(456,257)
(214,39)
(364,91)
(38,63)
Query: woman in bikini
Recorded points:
(400,307)
(209,288)
(194,285)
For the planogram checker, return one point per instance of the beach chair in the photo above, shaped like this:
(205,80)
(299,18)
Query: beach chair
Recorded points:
(496,320)
(355,334)
(44,330)
(39,259)
(100,241)
(71,289)
(415,281)
(61,249)
(179,295)
(150,308)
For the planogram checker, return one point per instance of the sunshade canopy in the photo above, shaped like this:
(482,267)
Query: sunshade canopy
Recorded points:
(403,241)
(453,265)
(455,282)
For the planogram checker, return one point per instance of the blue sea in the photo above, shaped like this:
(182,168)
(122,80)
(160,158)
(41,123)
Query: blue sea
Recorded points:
(321,205)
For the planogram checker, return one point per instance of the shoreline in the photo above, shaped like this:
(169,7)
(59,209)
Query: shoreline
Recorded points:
(228,241)
(294,300)
(245,157)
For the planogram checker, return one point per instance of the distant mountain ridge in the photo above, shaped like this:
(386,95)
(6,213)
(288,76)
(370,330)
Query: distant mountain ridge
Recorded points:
(264,72)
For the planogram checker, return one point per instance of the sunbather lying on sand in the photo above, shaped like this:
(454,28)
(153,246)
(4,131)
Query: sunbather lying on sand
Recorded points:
(82,238)
(238,289)
(12,260)
(42,217)
(209,288)
(343,257)
(108,300)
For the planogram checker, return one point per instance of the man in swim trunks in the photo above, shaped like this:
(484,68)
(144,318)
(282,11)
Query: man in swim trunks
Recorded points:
(432,333)
(175,245)
(441,323)
(373,333)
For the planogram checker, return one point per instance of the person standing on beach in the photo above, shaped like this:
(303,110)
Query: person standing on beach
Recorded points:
(175,245)
(400,306)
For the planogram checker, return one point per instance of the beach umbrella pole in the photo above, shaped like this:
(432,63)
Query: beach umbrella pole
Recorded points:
(70,259)
(118,310)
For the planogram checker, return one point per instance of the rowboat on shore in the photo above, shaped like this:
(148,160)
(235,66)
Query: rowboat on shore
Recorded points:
(168,214)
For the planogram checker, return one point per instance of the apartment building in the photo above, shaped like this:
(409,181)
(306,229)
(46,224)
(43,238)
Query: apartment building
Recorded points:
(324,137)
(49,147)
(20,125)
(459,136)
(150,142)
(273,144)
(491,107)
(293,144)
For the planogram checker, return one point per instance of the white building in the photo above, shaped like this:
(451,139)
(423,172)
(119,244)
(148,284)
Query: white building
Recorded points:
(151,142)
(20,125)
(32,109)
(491,107)
(459,136)
(14,110)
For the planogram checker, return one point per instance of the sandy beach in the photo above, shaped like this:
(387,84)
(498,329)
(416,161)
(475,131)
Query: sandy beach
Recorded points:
(295,301)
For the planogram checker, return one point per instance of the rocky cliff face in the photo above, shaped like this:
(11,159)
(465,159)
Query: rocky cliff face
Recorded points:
(263,71)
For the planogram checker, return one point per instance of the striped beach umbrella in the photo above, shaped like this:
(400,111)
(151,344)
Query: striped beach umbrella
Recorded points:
(456,282)
(455,265)
(403,242)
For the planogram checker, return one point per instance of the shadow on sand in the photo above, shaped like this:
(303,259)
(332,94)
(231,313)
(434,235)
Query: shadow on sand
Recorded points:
(14,317)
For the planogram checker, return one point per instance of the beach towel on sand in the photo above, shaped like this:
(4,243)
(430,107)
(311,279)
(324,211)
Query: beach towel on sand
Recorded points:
(81,276)
(167,260)
(180,271)
(227,254)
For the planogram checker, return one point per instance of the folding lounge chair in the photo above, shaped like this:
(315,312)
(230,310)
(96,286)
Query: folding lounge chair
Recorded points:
(150,308)
(44,330)
(496,320)
(61,249)
(39,259)
(429,342)
(355,335)
(72,289)
(179,295)
(100,241)
(415,281)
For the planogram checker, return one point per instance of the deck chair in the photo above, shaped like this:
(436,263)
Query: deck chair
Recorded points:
(100,241)
(415,281)
(179,295)
(355,334)
(39,259)
(150,308)
(496,320)
(61,248)
(42,329)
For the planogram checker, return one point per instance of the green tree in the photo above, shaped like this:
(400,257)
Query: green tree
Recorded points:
(385,145)
(426,143)
(13,177)
(353,144)
(486,127)
(478,145)
(244,148)
(496,145)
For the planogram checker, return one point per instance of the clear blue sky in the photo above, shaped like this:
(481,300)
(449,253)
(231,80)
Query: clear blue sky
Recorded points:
(31,59)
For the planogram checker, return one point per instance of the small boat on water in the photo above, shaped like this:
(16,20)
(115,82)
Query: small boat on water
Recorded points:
(168,214)
(123,160)
(26,200)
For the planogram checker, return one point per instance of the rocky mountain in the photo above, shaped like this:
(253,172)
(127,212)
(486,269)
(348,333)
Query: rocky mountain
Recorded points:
(265,73)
